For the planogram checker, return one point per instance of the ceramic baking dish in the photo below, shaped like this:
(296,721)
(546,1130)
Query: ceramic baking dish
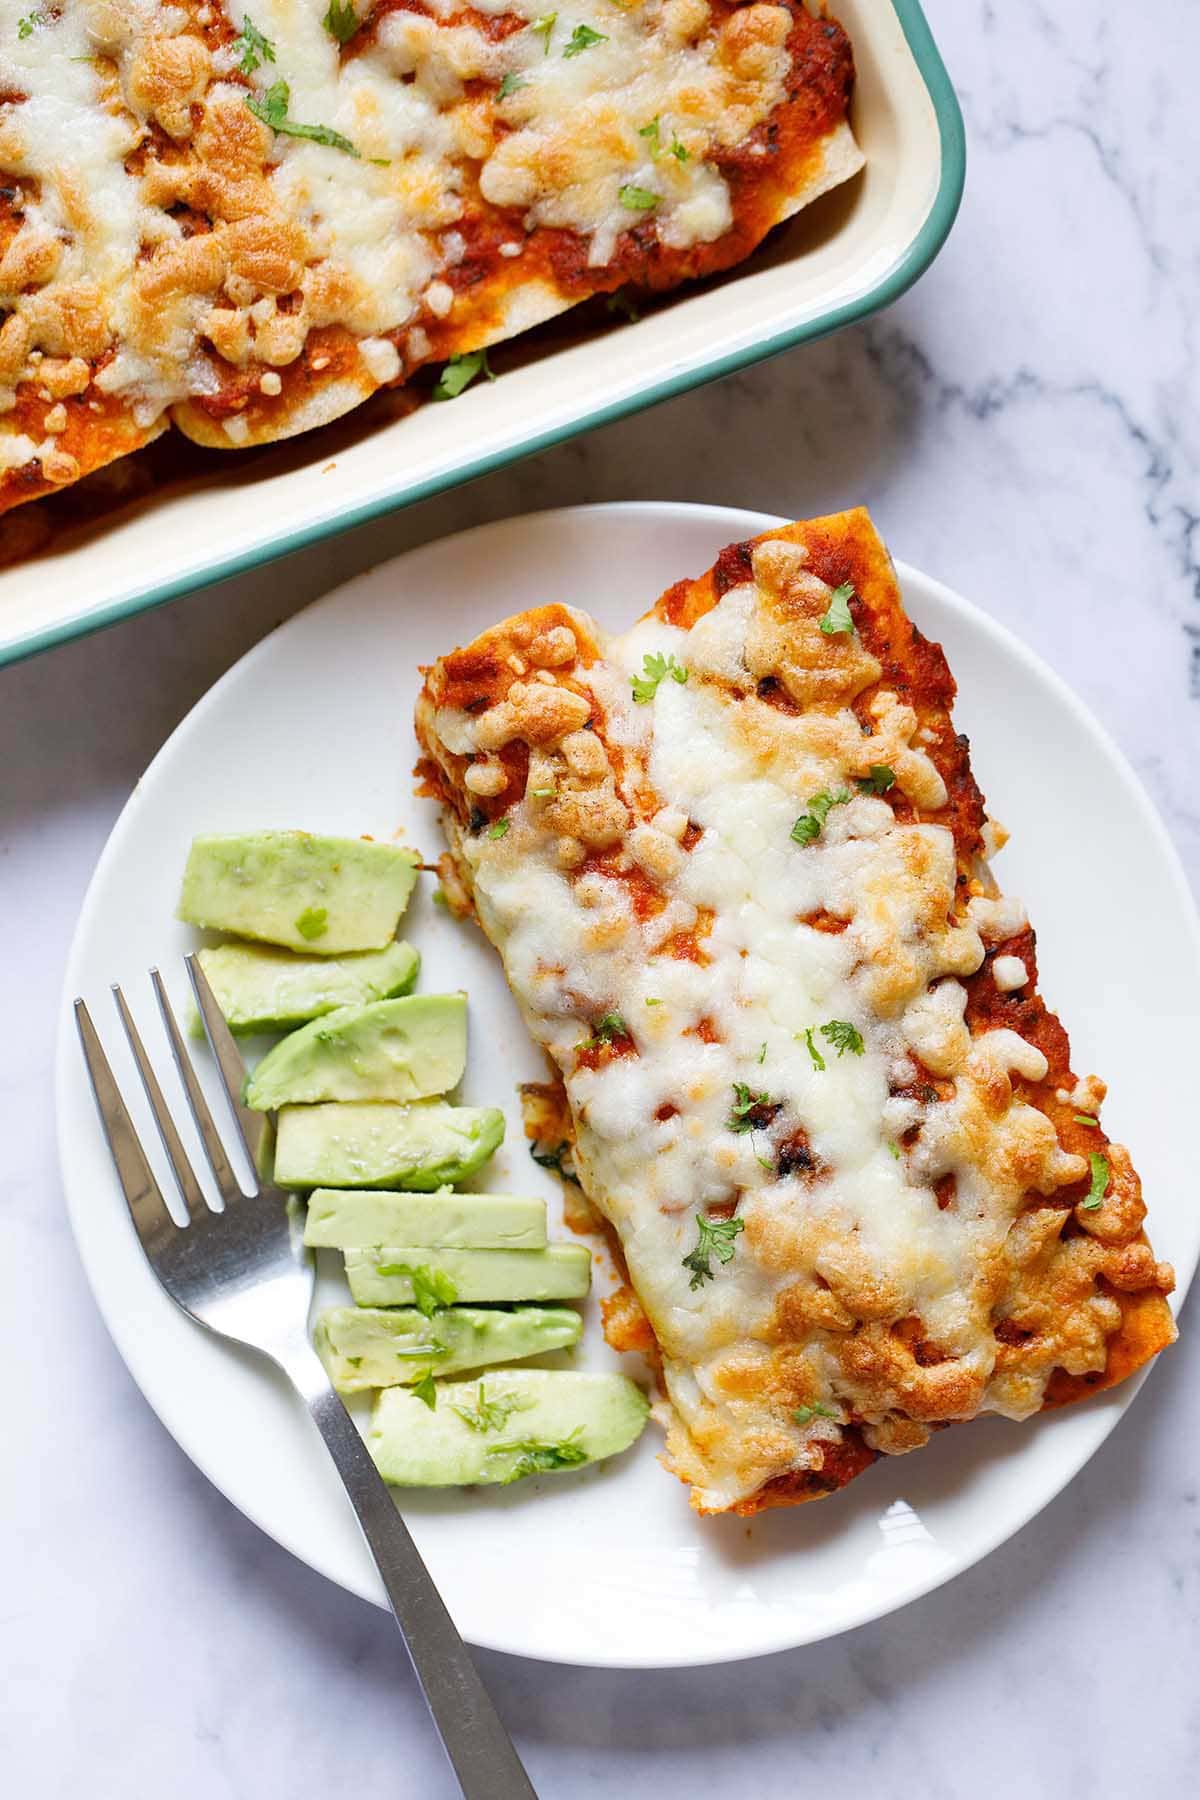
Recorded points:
(217,513)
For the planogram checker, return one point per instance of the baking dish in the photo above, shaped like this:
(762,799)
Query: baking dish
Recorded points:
(839,260)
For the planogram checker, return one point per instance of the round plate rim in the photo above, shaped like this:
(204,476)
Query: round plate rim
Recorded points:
(1109,1408)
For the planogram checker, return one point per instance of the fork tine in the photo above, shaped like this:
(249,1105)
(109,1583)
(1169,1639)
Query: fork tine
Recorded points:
(189,1187)
(252,1125)
(147,1208)
(226,1180)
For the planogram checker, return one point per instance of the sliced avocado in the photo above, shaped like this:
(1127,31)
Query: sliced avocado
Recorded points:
(365,1348)
(427,1145)
(387,1050)
(503,1426)
(340,1219)
(560,1272)
(324,895)
(260,988)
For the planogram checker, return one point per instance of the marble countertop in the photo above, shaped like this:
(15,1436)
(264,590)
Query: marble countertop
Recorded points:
(1023,425)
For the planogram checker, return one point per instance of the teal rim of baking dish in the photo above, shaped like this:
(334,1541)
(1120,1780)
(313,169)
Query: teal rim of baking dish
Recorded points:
(911,266)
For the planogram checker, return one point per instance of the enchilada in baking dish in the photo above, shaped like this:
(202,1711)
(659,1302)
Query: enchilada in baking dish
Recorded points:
(245,221)
(736,865)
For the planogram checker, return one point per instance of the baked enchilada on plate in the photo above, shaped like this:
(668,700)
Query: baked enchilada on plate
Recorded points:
(736,865)
(246,221)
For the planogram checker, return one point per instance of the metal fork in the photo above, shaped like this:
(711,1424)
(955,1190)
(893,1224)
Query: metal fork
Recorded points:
(243,1272)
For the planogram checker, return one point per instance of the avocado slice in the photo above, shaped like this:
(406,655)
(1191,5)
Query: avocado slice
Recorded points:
(345,1220)
(386,1050)
(503,1426)
(260,988)
(425,1146)
(559,1272)
(324,895)
(365,1348)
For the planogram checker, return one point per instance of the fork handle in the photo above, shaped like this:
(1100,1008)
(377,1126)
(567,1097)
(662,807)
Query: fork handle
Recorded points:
(480,1749)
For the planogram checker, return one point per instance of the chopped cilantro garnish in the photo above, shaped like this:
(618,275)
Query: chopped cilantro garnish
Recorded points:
(313,922)
(29,24)
(893,1149)
(611,1026)
(254,49)
(425,1390)
(543,793)
(651,133)
(843,1036)
(553,1159)
(536,1458)
(1087,1119)
(543,28)
(678,150)
(656,668)
(809,825)
(637,199)
(583,38)
(653,1002)
(744,1103)
(818,1061)
(272,110)
(838,616)
(716,1239)
(878,779)
(621,303)
(431,1289)
(490,1415)
(499,828)
(341,21)
(762,1054)
(817,1410)
(510,84)
(1100,1175)
(460,372)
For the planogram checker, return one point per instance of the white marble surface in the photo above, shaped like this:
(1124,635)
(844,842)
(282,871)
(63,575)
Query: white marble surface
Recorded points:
(1023,424)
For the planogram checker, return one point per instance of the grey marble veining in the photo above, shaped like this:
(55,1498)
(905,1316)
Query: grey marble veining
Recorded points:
(1024,425)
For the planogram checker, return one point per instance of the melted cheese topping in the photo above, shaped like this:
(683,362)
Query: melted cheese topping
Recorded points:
(649,872)
(163,231)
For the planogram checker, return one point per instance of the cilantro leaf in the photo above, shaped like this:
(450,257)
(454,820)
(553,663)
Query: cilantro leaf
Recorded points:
(893,1149)
(637,199)
(253,48)
(809,825)
(490,1415)
(535,1457)
(716,1239)
(460,372)
(843,1036)
(543,28)
(1087,1119)
(499,829)
(651,133)
(818,1061)
(838,616)
(679,150)
(431,1288)
(817,1410)
(1100,1178)
(611,1026)
(341,21)
(744,1103)
(510,84)
(29,24)
(878,779)
(313,922)
(583,38)
(656,668)
(272,110)
(425,1390)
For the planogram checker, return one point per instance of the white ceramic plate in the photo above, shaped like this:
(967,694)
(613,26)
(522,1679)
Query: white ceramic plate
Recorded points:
(837,261)
(313,728)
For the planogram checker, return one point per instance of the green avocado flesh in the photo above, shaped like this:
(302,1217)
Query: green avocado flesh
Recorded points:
(345,1220)
(517,1422)
(387,1050)
(260,988)
(323,895)
(560,1272)
(364,1348)
(425,1146)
